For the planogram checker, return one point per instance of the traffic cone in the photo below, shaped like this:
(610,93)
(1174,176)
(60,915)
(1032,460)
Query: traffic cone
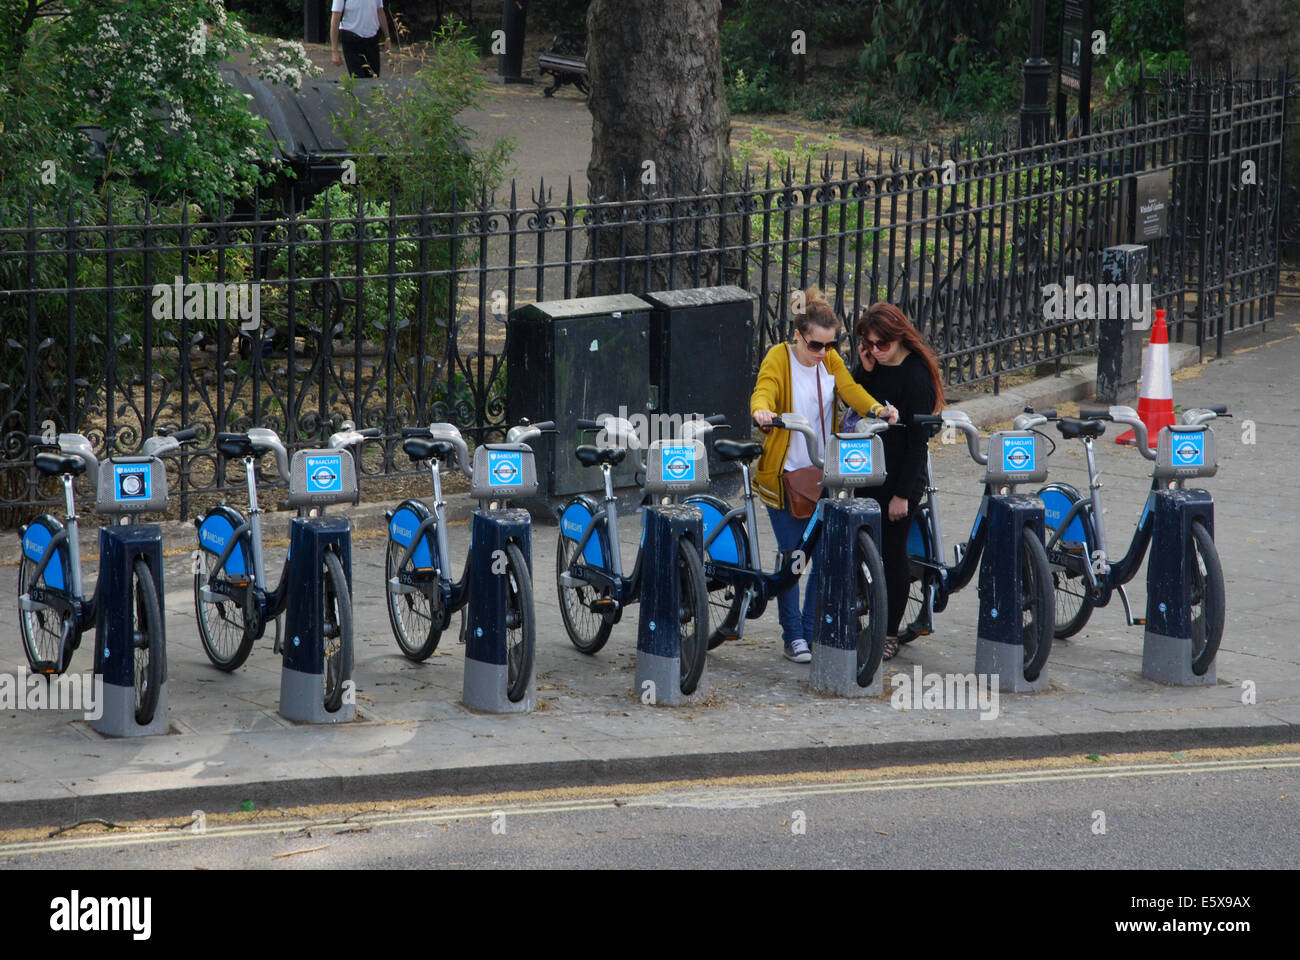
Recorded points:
(1156,398)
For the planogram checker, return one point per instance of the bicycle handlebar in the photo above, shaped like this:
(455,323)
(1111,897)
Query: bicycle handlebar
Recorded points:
(799,424)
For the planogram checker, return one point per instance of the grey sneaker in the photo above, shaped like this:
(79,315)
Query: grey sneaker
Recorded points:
(797,650)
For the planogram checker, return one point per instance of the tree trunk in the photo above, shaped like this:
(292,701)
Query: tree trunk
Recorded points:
(1250,34)
(659,126)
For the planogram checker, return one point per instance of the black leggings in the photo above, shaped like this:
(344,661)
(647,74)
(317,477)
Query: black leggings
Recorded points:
(893,553)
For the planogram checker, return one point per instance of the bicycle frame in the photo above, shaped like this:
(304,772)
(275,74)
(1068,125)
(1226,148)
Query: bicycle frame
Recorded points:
(455,594)
(70,603)
(948,579)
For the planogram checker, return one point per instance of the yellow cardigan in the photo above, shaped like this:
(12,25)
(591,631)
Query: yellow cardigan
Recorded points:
(772,391)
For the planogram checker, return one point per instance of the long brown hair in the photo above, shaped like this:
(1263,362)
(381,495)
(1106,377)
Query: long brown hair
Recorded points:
(889,323)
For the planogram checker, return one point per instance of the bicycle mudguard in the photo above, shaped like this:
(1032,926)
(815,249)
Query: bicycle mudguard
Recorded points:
(406,519)
(36,537)
(215,529)
(732,544)
(1057,499)
(574,519)
(919,541)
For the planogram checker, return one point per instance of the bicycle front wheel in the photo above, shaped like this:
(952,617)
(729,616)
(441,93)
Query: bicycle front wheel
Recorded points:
(521,627)
(1207,598)
(45,632)
(411,614)
(871,605)
(693,615)
(724,612)
(336,631)
(147,641)
(1037,607)
(223,629)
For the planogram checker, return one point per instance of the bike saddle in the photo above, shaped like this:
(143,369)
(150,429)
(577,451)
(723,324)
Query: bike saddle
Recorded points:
(56,464)
(589,455)
(240,445)
(418,448)
(1072,429)
(737,450)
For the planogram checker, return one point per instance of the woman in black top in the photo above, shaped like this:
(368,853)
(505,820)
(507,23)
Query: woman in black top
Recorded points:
(896,367)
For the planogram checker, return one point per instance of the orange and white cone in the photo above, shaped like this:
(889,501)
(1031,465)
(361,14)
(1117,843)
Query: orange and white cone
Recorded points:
(1156,398)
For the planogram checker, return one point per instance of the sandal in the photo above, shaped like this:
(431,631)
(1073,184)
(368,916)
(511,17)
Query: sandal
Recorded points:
(890,648)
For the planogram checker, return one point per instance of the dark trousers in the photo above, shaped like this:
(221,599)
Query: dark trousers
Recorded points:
(893,553)
(360,54)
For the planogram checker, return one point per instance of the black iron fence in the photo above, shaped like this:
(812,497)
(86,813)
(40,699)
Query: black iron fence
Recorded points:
(118,322)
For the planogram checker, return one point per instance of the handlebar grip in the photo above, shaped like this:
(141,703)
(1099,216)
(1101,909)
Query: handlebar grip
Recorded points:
(181,436)
(415,431)
(588,425)
(36,440)
(776,422)
(716,419)
(1220,408)
(544,426)
(1049,414)
(371,432)
(921,419)
(1093,414)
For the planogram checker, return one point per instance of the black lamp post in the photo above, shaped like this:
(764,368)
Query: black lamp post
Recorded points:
(1036,71)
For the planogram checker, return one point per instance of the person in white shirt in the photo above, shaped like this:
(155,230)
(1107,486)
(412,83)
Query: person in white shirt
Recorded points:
(355,26)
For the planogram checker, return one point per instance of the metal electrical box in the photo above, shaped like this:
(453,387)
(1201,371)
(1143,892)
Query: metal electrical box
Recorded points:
(702,357)
(568,360)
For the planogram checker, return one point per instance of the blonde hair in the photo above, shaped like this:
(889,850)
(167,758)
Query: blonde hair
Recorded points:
(816,312)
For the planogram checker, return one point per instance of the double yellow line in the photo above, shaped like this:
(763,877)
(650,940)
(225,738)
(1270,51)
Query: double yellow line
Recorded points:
(679,797)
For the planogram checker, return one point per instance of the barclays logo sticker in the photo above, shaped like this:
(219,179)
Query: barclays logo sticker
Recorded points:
(1017,454)
(1189,450)
(679,463)
(855,457)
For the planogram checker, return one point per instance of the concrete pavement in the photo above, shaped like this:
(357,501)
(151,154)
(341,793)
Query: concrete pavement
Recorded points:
(413,738)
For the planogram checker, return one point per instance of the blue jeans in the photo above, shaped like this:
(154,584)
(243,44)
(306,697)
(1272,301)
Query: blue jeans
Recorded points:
(795,625)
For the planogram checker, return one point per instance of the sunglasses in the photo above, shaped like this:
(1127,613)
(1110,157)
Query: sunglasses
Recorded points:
(816,346)
(875,344)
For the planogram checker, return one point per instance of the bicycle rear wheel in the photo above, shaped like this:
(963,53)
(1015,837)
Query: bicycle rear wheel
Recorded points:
(1207,598)
(223,630)
(871,603)
(336,631)
(693,615)
(45,632)
(521,626)
(147,641)
(1037,608)
(411,614)
(587,629)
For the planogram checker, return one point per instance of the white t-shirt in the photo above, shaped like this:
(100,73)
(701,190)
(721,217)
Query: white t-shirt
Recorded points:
(361,16)
(803,381)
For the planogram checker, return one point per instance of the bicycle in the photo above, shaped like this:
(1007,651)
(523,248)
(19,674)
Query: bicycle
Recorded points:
(589,577)
(421,594)
(232,601)
(933,581)
(734,568)
(1083,574)
(54,610)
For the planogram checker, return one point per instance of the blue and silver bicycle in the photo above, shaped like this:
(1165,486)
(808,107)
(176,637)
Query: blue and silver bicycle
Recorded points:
(1083,573)
(53,609)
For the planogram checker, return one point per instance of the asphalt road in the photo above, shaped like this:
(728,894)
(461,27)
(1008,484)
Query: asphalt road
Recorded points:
(1215,809)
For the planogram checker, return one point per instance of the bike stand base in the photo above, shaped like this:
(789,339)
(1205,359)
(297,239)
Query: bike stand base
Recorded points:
(1169,660)
(302,699)
(117,716)
(1006,661)
(485,686)
(664,674)
(835,671)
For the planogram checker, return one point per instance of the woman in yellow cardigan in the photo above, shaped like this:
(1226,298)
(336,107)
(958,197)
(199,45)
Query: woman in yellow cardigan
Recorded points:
(804,377)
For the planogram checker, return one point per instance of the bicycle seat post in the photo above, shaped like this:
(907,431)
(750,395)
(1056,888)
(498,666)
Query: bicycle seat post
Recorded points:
(255,521)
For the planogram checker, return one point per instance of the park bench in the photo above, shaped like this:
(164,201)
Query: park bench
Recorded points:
(566,63)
